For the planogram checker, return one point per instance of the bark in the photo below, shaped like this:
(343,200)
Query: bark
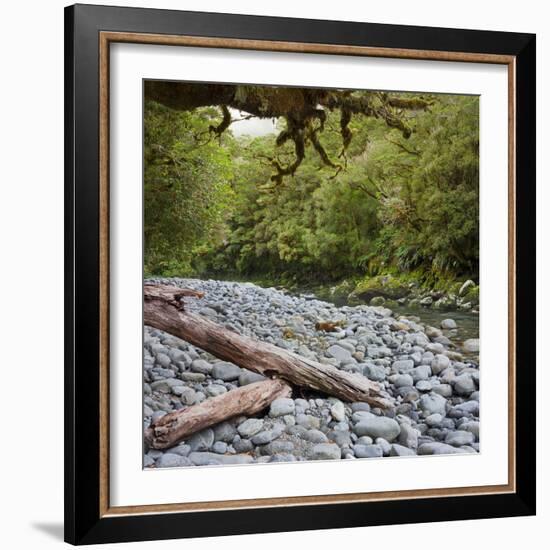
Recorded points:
(163,311)
(248,400)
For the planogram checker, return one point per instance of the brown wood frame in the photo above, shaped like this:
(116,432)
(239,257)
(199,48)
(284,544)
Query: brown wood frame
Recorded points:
(107,38)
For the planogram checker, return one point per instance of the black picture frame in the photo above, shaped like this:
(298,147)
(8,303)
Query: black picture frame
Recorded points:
(84,523)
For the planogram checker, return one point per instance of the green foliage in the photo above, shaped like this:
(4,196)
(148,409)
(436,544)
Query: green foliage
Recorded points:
(385,205)
(187,195)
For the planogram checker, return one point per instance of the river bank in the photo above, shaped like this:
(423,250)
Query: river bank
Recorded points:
(431,373)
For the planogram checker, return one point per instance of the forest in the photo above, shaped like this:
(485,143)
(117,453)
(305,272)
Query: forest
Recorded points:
(348,185)
(304,249)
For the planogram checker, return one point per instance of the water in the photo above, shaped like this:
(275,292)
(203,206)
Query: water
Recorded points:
(466,321)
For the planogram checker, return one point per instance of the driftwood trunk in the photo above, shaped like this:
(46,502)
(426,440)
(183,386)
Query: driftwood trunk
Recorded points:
(162,310)
(248,400)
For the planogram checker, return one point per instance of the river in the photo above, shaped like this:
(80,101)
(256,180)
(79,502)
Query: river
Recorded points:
(467,322)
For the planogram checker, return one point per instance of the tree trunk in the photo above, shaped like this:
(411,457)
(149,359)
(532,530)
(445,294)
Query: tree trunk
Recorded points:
(163,311)
(248,400)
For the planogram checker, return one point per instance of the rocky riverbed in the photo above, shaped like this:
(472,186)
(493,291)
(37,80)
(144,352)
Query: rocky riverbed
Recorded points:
(433,380)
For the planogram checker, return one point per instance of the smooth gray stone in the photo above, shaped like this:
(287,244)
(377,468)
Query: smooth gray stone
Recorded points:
(400,450)
(182,449)
(219,447)
(299,431)
(326,451)
(154,453)
(340,437)
(250,427)
(434,420)
(364,440)
(403,380)
(471,345)
(169,460)
(368,451)
(266,436)
(440,363)
(163,360)
(204,459)
(468,407)
(358,406)
(423,386)
(445,390)
(378,426)
(422,372)
(316,436)
(279,446)
(193,376)
(282,458)
(460,438)
(249,377)
(166,385)
(243,445)
(147,461)
(225,431)
(339,353)
(225,371)
(386,446)
(338,411)
(433,403)
(436,448)
(202,441)
(281,407)
(215,389)
(308,421)
(464,384)
(471,426)
(403,365)
(375,373)
(408,436)
(201,366)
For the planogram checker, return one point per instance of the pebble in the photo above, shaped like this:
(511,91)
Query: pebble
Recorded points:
(339,353)
(281,407)
(433,403)
(169,460)
(266,436)
(338,411)
(250,427)
(471,345)
(368,451)
(437,449)
(459,438)
(202,441)
(201,366)
(249,377)
(316,436)
(408,436)
(378,426)
(207,459)
(225,431)
(400,450)
(433,384)
(326,451)
(226,371)
(439,363)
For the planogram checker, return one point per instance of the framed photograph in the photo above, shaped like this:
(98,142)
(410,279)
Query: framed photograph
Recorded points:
(300,274)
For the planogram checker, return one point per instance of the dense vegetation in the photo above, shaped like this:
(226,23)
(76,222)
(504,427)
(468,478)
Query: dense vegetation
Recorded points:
(385,202)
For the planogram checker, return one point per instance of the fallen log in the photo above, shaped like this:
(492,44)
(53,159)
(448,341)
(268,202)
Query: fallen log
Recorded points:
(164,311)
(176,426)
